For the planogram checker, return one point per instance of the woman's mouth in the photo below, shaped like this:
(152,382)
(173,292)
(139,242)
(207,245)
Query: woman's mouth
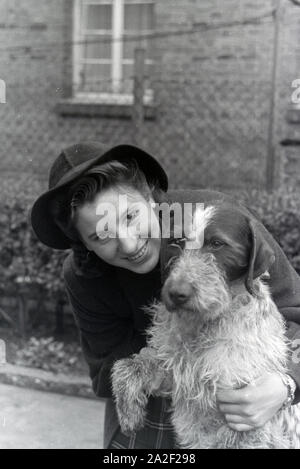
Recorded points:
(141,252)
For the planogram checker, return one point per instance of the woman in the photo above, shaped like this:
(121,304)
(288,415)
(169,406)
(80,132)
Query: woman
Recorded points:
(93,206)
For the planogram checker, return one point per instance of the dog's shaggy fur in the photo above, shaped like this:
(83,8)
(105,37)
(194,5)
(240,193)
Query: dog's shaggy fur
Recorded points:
(217,327)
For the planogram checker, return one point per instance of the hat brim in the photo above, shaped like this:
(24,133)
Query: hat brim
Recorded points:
(41,218)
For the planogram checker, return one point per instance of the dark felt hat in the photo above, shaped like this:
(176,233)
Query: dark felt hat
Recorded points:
(70,165)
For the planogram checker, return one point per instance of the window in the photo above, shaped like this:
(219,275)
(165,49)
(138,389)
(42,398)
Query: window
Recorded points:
(106,33)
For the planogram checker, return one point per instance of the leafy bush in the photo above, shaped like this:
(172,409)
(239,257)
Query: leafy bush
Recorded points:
(28,269)
(23,259)
(280,213)
(50,355)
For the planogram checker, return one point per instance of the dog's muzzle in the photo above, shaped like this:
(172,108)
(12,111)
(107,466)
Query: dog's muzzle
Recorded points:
(176,294)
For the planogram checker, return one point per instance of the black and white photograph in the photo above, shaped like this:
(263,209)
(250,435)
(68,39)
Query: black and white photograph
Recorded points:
(149,227)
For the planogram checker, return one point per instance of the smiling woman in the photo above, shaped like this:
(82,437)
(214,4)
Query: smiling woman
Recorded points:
(103,273)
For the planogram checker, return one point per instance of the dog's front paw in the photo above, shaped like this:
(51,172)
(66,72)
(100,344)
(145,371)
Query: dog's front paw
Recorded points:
(129,390)
(131,412)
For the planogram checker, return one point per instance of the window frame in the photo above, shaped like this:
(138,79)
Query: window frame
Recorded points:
(117,60)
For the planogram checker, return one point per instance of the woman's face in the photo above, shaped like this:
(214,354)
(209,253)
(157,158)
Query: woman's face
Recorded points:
(121,227)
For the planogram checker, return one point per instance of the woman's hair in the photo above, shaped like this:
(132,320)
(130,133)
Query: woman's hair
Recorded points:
(85,189)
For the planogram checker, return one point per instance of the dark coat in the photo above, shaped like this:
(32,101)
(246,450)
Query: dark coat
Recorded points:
(108,309)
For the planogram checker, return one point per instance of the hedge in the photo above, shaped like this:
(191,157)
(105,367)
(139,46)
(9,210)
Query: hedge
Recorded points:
(28,269)
(280,213)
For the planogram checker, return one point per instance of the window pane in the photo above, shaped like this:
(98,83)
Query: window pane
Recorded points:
(96,77)
(99,17)
(97,47)
(128,48)
(139,17)
(128,71)
(127,83)
(131,44)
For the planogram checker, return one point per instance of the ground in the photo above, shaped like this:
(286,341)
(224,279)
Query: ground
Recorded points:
(33,419)
(31,416)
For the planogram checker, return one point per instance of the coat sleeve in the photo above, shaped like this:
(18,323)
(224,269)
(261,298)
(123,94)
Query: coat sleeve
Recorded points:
(105,336)
(285,289)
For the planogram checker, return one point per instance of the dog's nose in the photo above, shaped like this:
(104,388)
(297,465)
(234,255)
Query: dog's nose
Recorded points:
(179,294)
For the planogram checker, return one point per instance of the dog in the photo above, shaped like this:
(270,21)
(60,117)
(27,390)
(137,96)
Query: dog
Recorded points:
(216,327)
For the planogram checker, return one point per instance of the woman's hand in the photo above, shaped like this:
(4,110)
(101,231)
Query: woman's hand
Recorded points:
(251,407)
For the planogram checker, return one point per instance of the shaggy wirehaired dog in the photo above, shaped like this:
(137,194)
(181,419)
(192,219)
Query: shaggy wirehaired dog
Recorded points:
(216,327)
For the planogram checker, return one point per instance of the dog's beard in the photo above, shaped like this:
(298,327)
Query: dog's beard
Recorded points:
(210,296)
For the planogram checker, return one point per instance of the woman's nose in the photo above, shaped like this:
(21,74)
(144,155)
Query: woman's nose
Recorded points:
(128,245)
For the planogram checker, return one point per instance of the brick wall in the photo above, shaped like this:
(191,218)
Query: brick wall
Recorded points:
(288,119)
(212,91)
(222,85)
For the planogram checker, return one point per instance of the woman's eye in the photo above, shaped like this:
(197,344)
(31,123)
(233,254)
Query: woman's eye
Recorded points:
(132,215)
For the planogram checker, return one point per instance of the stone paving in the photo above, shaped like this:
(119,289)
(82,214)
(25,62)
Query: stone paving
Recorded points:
(34,419)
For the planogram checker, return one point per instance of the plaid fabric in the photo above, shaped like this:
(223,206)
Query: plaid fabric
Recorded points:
(157,432)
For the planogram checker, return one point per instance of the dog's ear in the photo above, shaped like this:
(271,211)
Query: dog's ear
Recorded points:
(261,256)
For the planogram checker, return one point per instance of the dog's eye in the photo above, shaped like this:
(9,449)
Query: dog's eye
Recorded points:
(216,243)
